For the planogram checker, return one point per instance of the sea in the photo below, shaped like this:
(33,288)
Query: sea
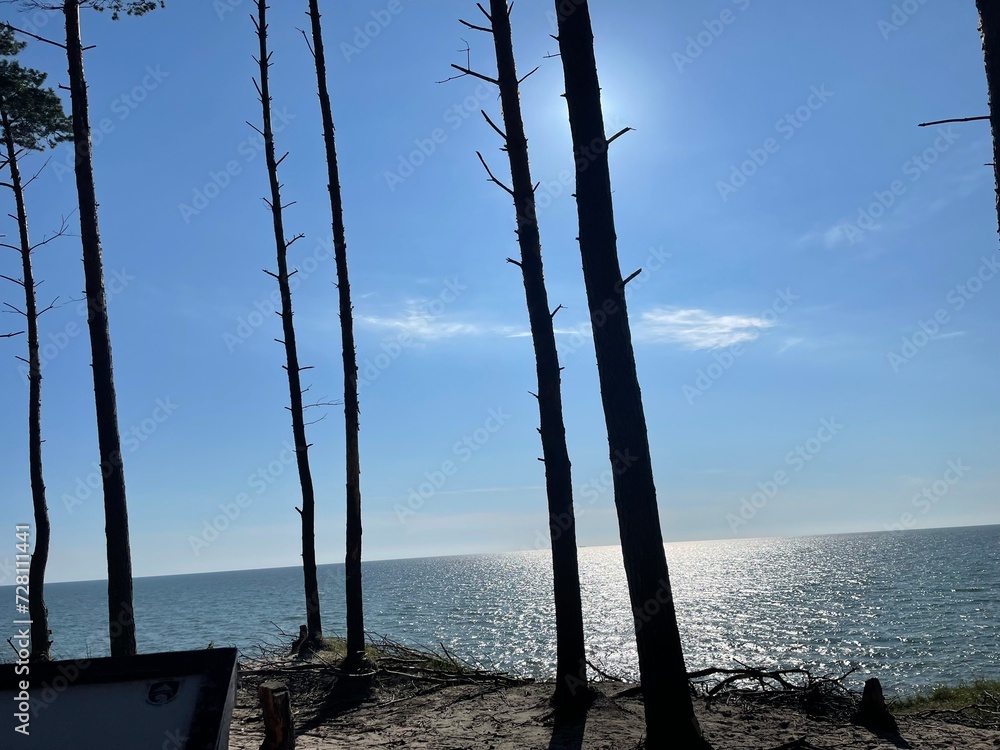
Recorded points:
(913,608)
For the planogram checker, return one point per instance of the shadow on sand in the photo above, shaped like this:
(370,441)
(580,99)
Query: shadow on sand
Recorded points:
(569,725)
(348,692)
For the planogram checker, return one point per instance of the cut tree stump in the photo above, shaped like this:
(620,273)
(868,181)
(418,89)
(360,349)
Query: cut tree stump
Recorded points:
(873,714)
(279,731)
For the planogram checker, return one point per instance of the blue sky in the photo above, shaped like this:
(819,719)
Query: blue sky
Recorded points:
(816,324)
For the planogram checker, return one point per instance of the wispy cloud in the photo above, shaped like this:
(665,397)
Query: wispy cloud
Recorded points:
(520,333)
(418,323)
(699,329)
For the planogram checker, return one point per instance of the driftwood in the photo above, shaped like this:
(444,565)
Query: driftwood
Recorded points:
(821,696)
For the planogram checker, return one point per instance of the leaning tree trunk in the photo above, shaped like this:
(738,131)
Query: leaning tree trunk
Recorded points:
(120,610)
(308,512)
(989,25)
(571,665)
(670,719)
(352,566)
(40,644)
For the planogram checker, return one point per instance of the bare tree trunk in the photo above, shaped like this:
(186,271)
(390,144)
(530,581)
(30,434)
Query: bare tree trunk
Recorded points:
(120,610)
(308,512)
(352,567)
(38,613)
(571,665)
(670,719)
(989,26)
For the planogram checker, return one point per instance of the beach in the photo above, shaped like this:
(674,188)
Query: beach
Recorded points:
(505,716)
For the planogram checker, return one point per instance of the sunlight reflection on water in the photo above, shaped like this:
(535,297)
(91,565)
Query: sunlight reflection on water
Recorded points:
(914,608)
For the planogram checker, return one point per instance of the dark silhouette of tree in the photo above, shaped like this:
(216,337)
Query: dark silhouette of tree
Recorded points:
(989,27)
(670,719)
(355,657)
(313,621)
(571,664)
(32,119)
(121,614)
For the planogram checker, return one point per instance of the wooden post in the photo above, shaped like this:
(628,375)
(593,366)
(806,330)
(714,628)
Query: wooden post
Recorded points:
(279,731)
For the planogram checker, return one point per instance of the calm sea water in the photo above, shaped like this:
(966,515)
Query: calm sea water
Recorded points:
(914,608)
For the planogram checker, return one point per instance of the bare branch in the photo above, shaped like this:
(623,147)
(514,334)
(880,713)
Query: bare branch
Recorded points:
(35,36)
(63,229)
(959,119)
(619,134)
(322,403)
(474,74)
(632,276)
(52,306)
(522,80)
(35,175)
(474,27)
(308,41)
(493,125)
(492,178)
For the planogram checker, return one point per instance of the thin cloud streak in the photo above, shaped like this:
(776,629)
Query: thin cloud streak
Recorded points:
(698,329)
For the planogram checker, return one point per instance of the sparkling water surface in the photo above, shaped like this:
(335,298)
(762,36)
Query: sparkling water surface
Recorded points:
(914,608)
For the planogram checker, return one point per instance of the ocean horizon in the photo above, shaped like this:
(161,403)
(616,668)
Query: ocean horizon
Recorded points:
(914,608)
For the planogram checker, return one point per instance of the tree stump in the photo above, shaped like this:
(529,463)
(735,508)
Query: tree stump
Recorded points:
(873,714)
(303,637)
(275,702)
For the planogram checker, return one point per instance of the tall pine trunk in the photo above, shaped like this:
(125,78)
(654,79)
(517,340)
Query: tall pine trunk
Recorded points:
(308,512)
(40,644)
(989,26)
(670,719)
(571,666)
(120,610)
(352,565)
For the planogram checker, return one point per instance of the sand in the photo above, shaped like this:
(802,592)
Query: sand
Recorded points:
(403,713)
